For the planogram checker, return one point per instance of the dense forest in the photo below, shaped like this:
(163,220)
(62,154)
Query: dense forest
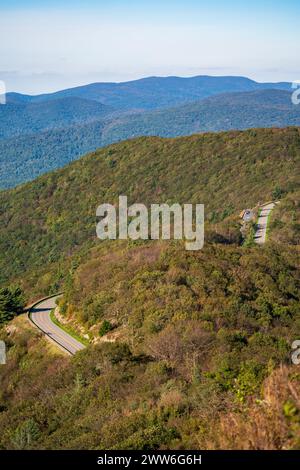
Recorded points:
(42,136)
(186,349)
(24,119)
(54,216)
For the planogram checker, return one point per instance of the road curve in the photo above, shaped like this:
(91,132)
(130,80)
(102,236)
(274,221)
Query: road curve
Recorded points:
(262,222)
(39,314)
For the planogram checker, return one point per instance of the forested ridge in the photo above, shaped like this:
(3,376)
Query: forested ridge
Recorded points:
(40,136)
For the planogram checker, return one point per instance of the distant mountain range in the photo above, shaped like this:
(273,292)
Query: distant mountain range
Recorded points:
(44,132)
(153,92)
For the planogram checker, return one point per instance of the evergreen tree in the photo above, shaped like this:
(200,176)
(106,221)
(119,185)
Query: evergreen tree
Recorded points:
(11,303)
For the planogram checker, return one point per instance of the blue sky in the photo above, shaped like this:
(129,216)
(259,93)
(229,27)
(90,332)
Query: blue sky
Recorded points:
(48,45)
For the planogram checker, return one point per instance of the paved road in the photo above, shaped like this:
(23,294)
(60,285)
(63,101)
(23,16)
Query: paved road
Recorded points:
(40,316)
(260,234)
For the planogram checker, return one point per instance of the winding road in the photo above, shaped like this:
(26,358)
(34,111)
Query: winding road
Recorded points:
(262,222)
(39,314)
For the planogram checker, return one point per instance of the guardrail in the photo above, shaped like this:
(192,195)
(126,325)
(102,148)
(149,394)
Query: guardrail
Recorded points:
(30,306)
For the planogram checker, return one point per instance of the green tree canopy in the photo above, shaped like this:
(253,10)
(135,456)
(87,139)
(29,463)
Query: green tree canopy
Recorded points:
(11,303)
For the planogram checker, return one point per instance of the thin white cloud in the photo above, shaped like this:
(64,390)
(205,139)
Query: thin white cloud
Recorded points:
(52,49)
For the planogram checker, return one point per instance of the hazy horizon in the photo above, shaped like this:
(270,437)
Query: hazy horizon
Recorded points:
(146,77)
(54,45)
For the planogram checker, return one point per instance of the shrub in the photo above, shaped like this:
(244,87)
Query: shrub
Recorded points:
(277,193)
(105,328)
(26,434)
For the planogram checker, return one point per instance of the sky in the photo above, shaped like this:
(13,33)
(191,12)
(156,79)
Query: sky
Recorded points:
(50,45)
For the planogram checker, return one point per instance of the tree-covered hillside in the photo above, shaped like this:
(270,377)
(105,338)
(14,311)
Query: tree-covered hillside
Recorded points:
(45,221)
(23,119)
(188,350)
(198,357)
(268,108)
(27,156)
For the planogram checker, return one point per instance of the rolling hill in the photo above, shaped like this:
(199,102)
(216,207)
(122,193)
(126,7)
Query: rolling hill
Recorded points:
(267,108)
(54,215)
(31,118)
(153,92)
(27,156)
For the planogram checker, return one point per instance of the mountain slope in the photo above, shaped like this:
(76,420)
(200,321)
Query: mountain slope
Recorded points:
(268,108)
(198,352)
(30,118)
(26,157)
(45,221)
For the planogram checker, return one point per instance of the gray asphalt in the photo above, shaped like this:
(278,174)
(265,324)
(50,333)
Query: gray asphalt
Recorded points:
(261,232)
(40,316)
